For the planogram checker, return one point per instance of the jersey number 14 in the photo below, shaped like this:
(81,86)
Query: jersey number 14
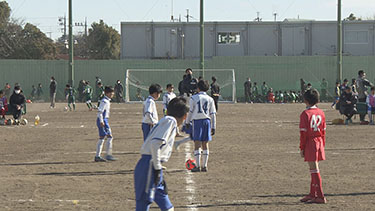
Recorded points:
(205,109)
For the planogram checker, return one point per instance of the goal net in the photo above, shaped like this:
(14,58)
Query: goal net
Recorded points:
(137,82)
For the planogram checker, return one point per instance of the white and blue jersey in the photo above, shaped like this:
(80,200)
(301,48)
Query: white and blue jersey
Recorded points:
(150,116)
(167,98)
(155,150)
(103,116)
(202,115)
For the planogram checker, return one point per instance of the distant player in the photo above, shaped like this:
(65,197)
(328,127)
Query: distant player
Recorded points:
(168,96)
(88,95)
(337,95)
(312,141)
(70,96)
(203,116)
(100,92)
(3,104)
(149,183)
(103,126)
(150,113)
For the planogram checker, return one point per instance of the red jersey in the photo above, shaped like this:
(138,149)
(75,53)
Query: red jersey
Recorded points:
(312,126)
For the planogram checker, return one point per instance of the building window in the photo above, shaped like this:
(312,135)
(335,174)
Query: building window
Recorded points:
(228,38)
(356,37)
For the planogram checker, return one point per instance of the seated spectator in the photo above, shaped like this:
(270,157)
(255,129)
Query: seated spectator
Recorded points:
(370,101)
(271,96)
(347,104)
(3,104)
(17,102)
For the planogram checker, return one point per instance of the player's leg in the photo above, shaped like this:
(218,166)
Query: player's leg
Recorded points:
(205,155)
(146,130)
(370,115)
(109,155)
(142,183)
(197,156)
(161,196)
(99,144)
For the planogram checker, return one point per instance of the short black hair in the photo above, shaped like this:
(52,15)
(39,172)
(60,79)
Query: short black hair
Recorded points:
(345,80)
(213,78)
(309,84)
(360,72)
(372,88)
(188,70)
(353,80)
(312,96)
(1,92)
(155,88)
(337,82)
(203,85)
(100,83)
(68,85)
(108,89)
(169,85)
(17,88)
(178,107)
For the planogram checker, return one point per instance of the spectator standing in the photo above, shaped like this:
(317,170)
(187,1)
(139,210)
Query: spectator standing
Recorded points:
(52,92)
(303,85)
(247,88)
(215,92)
(354,87)
(119,90)
(323,90)
(362,84)
(181,86)
(33,92)
(190,83)
(264,89)
(39,91)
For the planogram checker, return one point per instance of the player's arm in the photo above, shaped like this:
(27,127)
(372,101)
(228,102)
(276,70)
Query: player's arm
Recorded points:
(368,101)
(165,100)
(324,129)
(303,131)
(213,116)
(101,109)
(191,112)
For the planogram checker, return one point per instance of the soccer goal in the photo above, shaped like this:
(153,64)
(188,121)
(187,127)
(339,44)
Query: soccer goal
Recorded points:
(137,82)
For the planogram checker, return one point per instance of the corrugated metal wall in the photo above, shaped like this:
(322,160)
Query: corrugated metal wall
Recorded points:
(281,73)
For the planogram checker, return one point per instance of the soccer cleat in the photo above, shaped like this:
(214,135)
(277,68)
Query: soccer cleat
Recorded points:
(307,198)
(204,169)
(196,169)
(318,201)
(110,158)
(99,159)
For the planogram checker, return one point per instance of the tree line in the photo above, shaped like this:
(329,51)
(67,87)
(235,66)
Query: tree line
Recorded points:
(20,40)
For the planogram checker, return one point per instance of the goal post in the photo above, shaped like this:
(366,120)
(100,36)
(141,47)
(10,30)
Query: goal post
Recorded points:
(137,82)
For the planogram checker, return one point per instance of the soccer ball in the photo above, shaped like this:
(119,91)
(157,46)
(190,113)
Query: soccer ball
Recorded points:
(190,164)
(24,122)
(65,108)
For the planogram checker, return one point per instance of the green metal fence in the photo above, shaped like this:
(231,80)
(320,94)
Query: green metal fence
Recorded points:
(281,73)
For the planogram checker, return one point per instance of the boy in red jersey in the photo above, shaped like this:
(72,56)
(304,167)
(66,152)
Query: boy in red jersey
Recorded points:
(312,141)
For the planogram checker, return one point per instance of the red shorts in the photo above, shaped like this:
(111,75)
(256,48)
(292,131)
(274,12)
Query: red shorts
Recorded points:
(314,150)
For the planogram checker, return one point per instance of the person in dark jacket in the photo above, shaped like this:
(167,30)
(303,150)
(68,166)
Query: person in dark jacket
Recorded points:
(362,86)
(247,88)
(190,83)
(52,91)
(215,92)
(119,89)
(17,102)
(347,104)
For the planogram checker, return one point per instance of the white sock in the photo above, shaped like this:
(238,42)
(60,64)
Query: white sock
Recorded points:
(205,158)
(109,146)
(369,115)
(99,147)
(197,156)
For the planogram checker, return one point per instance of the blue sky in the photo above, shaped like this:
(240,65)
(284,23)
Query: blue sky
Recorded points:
(45,13)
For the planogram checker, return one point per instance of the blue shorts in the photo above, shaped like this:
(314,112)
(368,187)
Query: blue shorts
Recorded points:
(372,109)
(103,131)
(146,128)
(201,130)
(146,191)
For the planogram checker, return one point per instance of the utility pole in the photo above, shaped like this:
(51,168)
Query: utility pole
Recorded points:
(172,18)
(339,42)
(275,16)
(71,45)
(202,37)
(85,26)
(187,15)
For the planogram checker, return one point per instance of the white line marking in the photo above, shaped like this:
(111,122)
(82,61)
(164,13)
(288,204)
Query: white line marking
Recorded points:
(45,124)
(190,184)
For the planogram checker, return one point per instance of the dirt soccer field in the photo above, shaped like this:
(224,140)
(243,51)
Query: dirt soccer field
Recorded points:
(254,162)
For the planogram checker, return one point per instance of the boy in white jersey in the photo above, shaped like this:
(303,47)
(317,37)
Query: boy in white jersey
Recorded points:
(150,114)
(168,97)
(203,116)
(103,126)
(149,184)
